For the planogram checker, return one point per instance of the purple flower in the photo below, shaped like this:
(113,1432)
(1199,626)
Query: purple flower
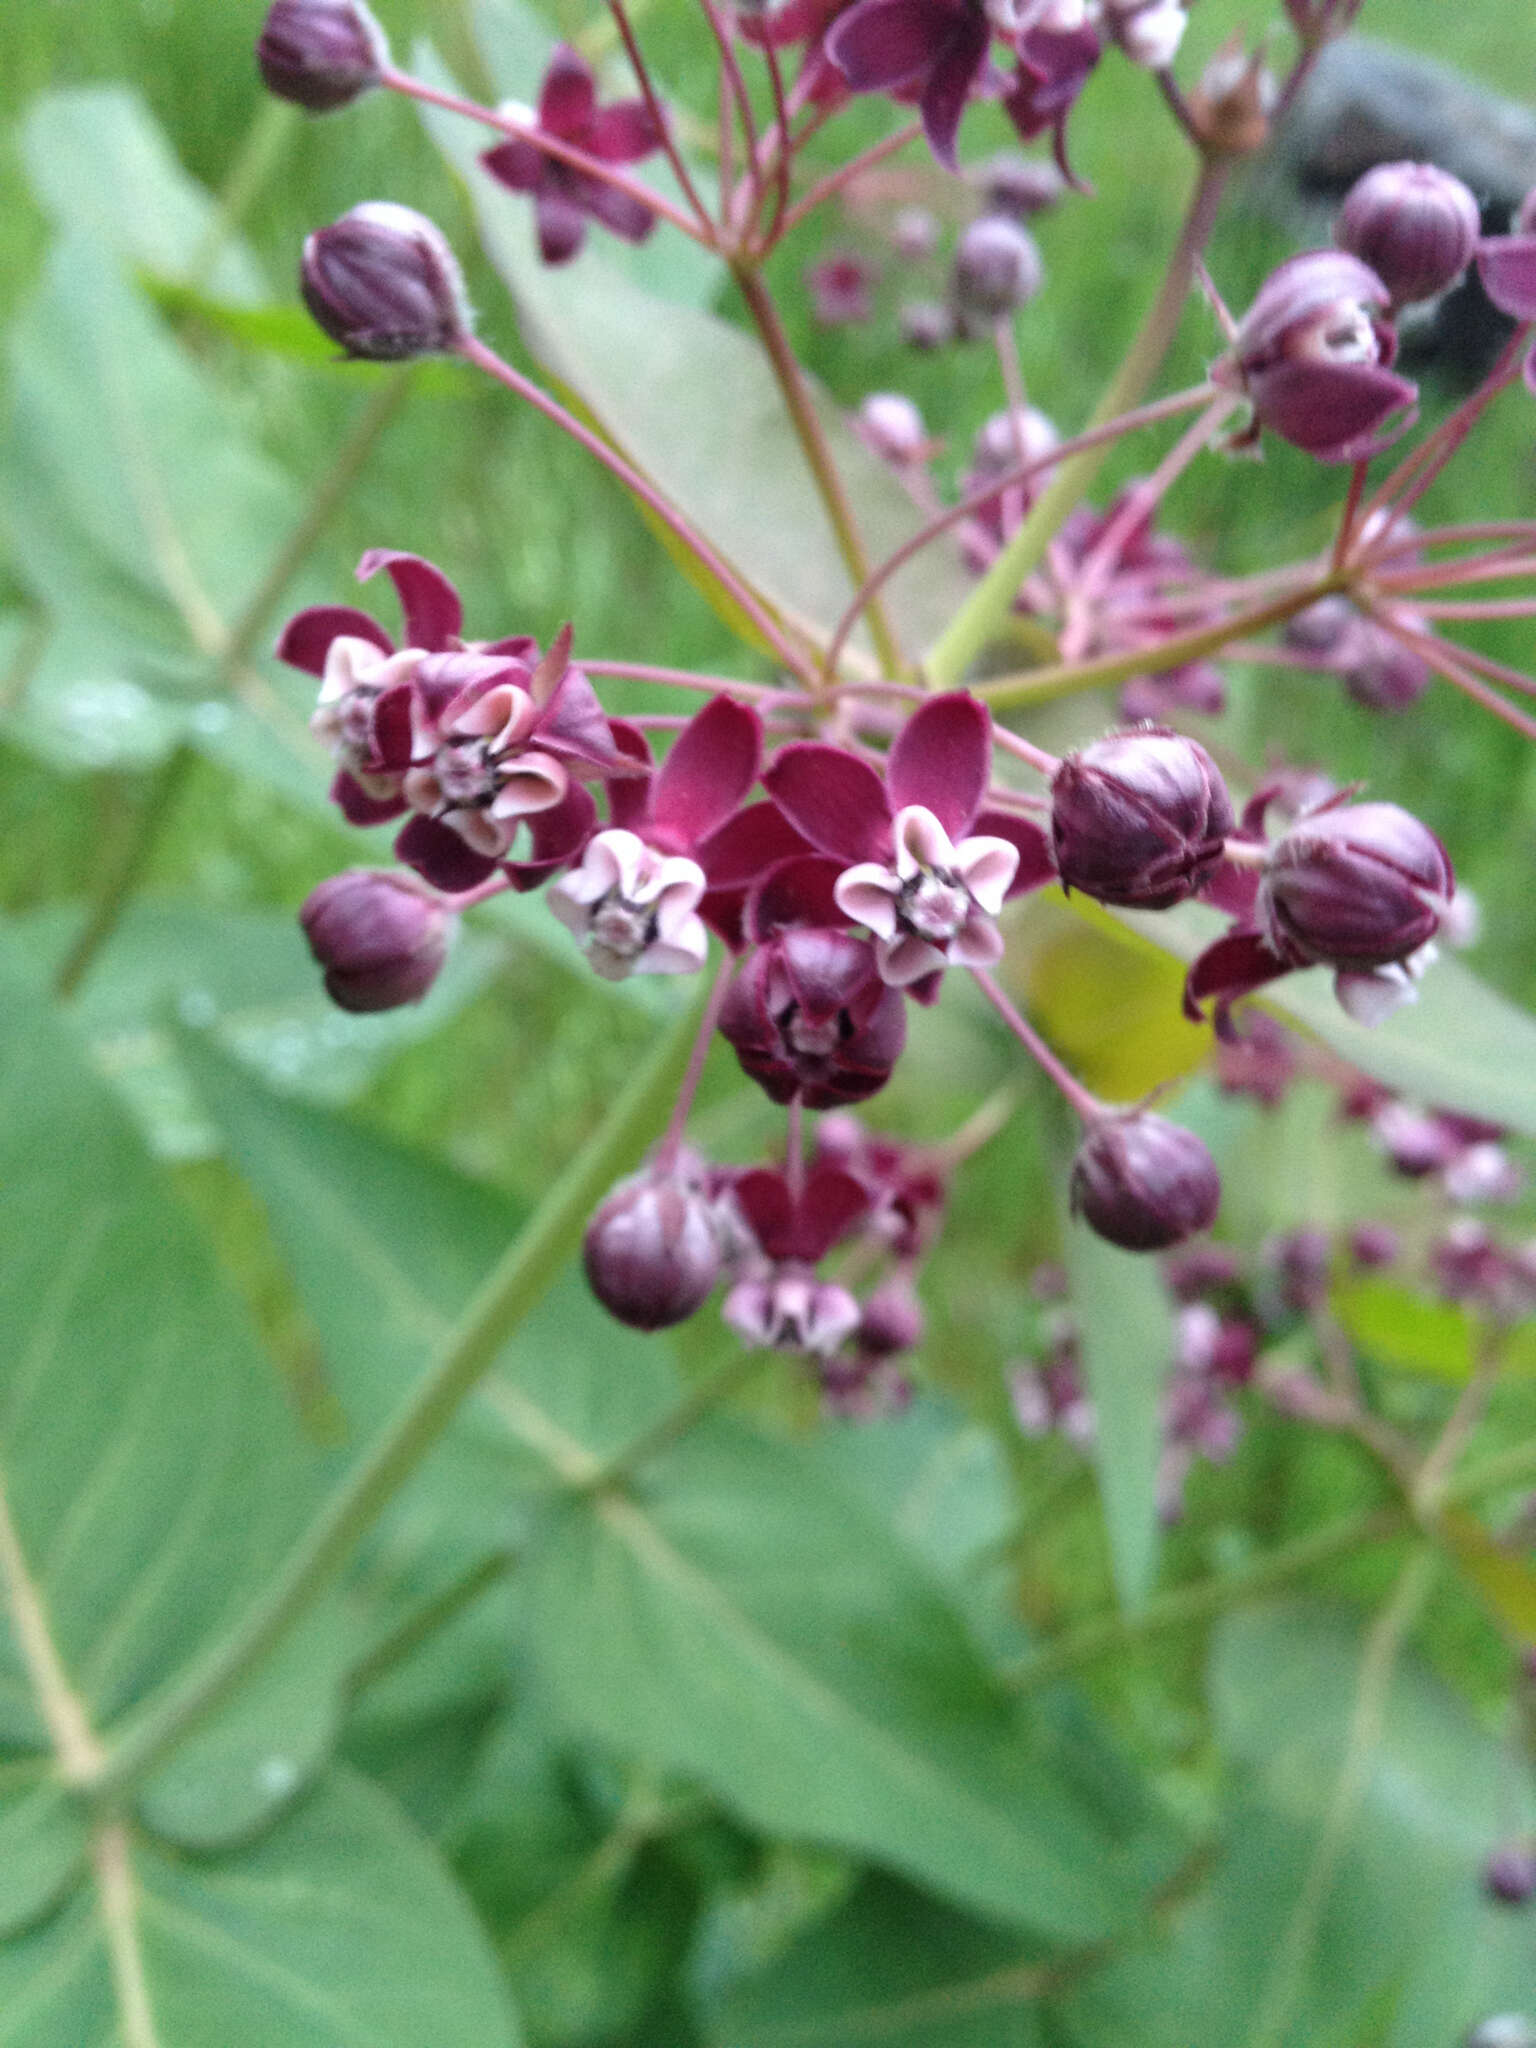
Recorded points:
(1144,1183)
(1415,225)
(380,937)
(933,52)
(839,286)
(384,284)
(1314,359)
(1054,66)
(652,1251)
(320,54)
(566,197)
(1139,818)
(915,873)
(784,1306)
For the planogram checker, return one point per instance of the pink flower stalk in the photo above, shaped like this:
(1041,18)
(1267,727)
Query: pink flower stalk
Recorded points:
(916,874)
(565,197)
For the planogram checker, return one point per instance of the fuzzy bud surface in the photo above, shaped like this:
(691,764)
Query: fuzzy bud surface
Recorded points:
(1144,1183)
(380,936)
(320,54)
(1139,818)
(384,284)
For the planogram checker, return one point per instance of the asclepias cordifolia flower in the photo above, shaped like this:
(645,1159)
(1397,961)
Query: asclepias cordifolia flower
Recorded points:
(1313,357)
(1144,1183)
(320,54)
(384,284)
(918,873)
(808,1015)
(1415,225)
(931,51)
(783,1306)
(1139,818)
(380,936)
(633,901)
(566,197)
(1056,61)
(652,1251)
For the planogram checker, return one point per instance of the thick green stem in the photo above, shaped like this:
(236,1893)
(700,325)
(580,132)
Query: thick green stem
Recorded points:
(470,1348)
(813,444)
(989,604)
(125,869)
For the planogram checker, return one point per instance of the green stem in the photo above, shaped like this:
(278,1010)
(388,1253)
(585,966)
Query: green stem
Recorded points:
(125,870)
(469,1349)
(989,604)
(813,444)
(425,1619)
(706,1394)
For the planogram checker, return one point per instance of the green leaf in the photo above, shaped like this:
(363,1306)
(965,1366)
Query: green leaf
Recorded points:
(689,398)
(746,1623)
(338,1927)
(135,1408)
(1418,1334)
(1125,1331)
(42,1843)
(99,164)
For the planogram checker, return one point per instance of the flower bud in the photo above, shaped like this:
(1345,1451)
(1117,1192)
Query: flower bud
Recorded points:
(1148,31)
(1414,224)
(914,234)
(652,1251)
(1509,1875)
(381,937)
(1374,1245)
(926,325)
(891,1320)
(1143,1182)
(1357,887)
(384,283)
(1232,104)
(1139,818)
(320,53)
(1020,186)
(891,425)
(997,268)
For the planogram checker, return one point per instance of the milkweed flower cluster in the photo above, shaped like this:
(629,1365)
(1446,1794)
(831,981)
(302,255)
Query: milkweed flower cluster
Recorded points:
(844,839)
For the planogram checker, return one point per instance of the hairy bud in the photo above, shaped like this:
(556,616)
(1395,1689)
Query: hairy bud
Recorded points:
(381,937)
(1414,224)
(1509,1875)
(652,1251)
(1139,818)
(320,54)
(383,282)
(890,424)
(1144,1183)
(1356,887)
(997,268)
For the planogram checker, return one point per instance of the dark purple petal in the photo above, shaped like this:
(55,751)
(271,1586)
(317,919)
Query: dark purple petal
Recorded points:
(1233,966)
(433,614)
(950,84)
(1327,409)
(764,1200)
(440,856)
(568,96)
(306,639)
(556,837)
(942,759)
(713,763)
(831,1203)
(880,44)
(575,726)
(834,799)
(796,892)
(620,212)
(518,164)
(1036,867)
(1507,267)
(393,730)
(623,133)
(359,808)
(562,225)
(747,845)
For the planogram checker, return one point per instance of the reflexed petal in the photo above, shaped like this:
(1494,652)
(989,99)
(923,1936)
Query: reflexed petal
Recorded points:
(836,800)
(433,614)
(879,44)
(950,84)
(1029,841)
(867,895)
(1507,267)
(562,226)
(359,807)
(798,891)
(1326,409)
(747,845)
(568,96)
(1229,968)
(987,868)
(906,959)
(556,836)
(440,856)
(763,1197)
(518,164)
(306,639)
(620,212)
(713,762)
(942,759)
(623,133)
(831,1202)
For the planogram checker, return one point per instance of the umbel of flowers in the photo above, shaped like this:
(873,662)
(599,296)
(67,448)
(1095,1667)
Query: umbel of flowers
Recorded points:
(839,845)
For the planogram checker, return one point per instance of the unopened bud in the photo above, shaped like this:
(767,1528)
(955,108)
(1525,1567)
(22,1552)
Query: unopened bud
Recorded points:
(1144,1183)
(1414,224)
(320,53)
(1358,887)
(997,268)
(1509,1875)
(383,282)
(1139,818)
(1232,104)
(1373,1245)
(652,1251)
(914,233)
(381,937)
(1020,186)
(891,1320)
(891,425)
(1148,31)
(926,325)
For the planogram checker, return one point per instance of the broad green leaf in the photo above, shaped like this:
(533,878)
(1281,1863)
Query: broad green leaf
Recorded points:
(42,1843)
(1125,1331)
(1418,1334)
(338,1927)
(689,398)
(893,1967)
(99,164)
(1505,1580)
(150,1473)
(1459,1046)
(746,1623)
